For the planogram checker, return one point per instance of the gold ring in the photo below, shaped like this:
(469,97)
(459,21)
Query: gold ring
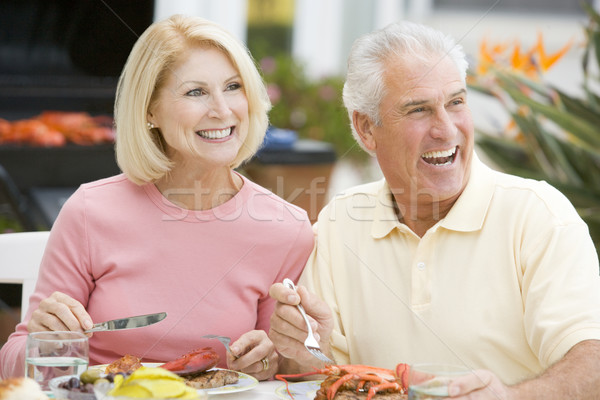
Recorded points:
(265,362)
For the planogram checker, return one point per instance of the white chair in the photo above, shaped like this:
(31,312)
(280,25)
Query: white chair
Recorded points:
(20,258)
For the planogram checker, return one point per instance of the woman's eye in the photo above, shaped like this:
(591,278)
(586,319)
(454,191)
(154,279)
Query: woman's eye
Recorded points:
(196,92)
(234,86)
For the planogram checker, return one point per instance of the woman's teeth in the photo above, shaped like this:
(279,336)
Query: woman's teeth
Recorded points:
(215,134)
(439,157)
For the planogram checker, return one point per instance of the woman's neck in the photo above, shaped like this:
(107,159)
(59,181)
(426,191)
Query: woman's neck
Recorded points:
(200,190)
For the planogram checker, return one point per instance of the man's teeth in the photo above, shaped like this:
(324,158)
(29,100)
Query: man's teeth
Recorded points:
(215,134)
(444,157)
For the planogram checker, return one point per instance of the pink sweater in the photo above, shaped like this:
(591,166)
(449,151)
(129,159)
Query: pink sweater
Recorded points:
(123,250)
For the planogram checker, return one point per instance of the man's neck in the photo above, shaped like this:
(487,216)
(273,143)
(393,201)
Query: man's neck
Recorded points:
(421,216)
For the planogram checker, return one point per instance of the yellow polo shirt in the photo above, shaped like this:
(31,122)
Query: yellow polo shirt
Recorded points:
(507,281)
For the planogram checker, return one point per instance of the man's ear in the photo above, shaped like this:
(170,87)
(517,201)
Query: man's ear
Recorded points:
(363,124)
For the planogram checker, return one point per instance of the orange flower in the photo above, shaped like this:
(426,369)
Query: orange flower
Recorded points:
(486,59)
(531,62)
(523,61)
(547,60)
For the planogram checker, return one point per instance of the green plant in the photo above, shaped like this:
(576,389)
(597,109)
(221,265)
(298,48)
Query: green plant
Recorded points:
(557,139)
(312,108)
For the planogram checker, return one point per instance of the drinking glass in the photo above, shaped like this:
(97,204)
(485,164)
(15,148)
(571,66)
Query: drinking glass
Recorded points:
(52,354)
(430,381)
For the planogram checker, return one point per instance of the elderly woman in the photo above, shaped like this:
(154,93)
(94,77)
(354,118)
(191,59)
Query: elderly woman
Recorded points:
(179,231)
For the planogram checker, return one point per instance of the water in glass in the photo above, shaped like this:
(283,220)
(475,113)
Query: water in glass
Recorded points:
(53,354)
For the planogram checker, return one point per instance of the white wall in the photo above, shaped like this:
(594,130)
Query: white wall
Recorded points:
(231,14)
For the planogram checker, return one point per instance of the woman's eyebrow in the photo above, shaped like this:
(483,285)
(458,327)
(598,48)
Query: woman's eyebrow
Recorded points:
(202,83)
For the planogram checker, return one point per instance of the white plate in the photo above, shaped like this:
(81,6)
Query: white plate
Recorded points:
(306,390)
(102,367)
(245,382)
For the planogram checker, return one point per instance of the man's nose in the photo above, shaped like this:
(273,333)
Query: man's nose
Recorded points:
(443,125)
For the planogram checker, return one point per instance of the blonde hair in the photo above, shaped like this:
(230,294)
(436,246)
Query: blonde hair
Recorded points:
(140,151)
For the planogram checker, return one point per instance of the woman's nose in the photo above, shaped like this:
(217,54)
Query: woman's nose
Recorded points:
(218,106)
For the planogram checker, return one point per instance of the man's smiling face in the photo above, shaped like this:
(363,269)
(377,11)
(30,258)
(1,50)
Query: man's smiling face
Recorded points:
(425,142)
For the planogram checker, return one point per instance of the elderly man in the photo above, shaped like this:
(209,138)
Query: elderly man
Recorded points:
(444,260)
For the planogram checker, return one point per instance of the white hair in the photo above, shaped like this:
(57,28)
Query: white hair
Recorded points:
(364,87)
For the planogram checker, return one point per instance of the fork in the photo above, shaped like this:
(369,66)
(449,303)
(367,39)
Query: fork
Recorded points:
(223,339)
(310,343)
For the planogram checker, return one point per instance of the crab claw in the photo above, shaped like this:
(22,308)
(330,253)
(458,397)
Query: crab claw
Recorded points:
(193,362)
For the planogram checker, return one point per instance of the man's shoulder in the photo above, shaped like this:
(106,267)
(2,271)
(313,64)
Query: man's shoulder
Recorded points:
(538,194)
(357,203)
(366,189)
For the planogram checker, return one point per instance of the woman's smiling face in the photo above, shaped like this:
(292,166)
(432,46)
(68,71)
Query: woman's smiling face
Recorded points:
(202,109)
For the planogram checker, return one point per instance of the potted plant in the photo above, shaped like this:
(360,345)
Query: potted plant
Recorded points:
(552,136)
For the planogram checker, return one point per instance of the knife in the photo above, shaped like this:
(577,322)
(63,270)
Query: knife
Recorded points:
(128,323)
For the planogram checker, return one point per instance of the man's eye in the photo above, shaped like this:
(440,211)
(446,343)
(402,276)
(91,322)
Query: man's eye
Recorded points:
(417,110)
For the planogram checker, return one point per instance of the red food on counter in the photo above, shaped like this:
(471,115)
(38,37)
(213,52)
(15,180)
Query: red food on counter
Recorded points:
(56,128)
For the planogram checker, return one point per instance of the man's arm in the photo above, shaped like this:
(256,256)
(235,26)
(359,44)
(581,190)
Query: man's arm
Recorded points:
(575,376)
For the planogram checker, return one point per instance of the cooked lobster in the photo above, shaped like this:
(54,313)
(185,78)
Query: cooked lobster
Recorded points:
(360,378)
(193,362)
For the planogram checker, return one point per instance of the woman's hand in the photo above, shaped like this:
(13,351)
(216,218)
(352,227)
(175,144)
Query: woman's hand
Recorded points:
(59,312)
(255,354)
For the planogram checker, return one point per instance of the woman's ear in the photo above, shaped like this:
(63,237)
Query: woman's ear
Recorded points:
(150,118)
(362,124)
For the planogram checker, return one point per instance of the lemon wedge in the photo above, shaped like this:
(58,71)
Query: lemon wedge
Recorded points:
(153,373)
(152,383)
(162,388)
(118,380)
(131,390)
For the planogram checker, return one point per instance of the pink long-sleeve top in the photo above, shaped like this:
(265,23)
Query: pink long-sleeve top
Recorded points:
(122,250)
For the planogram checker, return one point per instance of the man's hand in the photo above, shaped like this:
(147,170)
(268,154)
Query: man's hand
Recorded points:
(288,329)
(479,385)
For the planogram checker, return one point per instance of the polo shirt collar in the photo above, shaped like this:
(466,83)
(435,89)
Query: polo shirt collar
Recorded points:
(467,214)
(385,219)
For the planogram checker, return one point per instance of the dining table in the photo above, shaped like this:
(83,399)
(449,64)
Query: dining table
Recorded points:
(264,390)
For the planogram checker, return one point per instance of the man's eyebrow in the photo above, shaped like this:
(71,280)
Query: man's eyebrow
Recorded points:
(462,91)
(413,103)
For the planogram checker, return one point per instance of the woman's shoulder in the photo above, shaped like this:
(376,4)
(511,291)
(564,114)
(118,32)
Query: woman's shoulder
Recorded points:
(116,185)
(111,181)
(104,192)
(262,199)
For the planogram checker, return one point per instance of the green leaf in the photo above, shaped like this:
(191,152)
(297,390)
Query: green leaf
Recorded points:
(579,108)
(581,131)
(594,16)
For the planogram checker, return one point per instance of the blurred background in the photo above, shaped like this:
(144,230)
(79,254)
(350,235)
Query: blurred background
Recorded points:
(534,75)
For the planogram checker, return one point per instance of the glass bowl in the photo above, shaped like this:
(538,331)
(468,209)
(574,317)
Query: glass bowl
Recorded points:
(65,394)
